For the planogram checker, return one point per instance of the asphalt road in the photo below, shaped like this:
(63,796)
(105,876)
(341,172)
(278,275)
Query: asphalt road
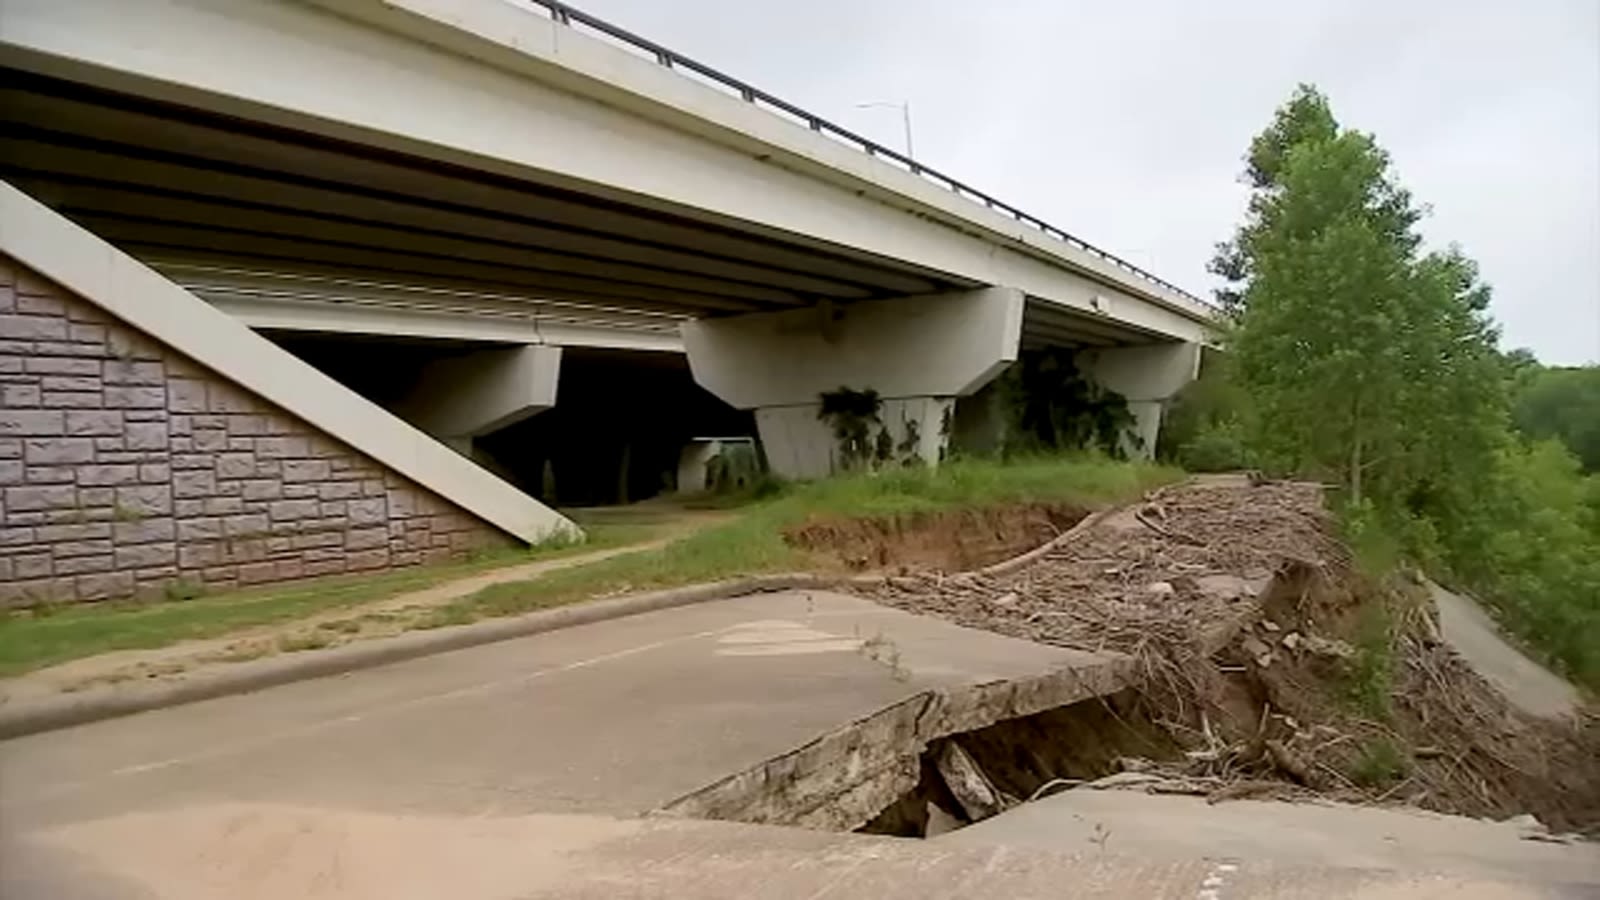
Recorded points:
(1531,687)
(519,769)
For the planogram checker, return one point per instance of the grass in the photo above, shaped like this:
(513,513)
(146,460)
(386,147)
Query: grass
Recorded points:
(1380,763)
(50,635)
(753,543)
(750,543)
(1371,677)
(1526,545)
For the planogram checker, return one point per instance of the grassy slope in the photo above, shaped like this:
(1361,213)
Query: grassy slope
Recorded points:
(34,639)
(751,543)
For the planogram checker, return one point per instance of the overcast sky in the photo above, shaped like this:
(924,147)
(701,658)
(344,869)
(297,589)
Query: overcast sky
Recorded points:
(1124,123)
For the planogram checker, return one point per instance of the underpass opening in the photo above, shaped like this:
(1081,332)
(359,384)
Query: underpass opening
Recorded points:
(615,433)
(621,421)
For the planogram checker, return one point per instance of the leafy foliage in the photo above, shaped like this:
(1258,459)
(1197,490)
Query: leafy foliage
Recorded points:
(1381,763)
(863,440)
(853,415)
(1561,403)
(1372,670)
(1365,364)
(1054,406)
(1532,548)
(1203,428)
(1356,358)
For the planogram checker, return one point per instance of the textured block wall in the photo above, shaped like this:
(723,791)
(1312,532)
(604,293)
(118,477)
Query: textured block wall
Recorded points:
(125,468)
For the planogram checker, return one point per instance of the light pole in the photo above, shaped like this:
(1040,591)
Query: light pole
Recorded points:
(905,117)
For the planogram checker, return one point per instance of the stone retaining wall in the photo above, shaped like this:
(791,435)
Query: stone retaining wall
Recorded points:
(127,469)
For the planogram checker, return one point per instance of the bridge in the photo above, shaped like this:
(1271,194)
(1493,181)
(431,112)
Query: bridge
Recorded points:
(400,226)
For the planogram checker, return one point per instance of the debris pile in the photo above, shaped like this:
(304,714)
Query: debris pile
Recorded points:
(1274,667)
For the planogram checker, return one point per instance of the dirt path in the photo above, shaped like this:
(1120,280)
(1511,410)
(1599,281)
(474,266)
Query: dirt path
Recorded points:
(379,618)
(1529,686)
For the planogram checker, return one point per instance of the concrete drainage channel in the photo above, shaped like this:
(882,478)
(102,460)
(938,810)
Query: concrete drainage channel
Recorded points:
(941,759)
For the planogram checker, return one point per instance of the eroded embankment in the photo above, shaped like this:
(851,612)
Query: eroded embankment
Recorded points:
(943,541)
(1276,666)
(1260,664)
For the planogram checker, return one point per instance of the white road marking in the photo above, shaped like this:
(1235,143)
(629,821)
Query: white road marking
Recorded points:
(780,638)
(774,635)
(837,645)
(1211,886)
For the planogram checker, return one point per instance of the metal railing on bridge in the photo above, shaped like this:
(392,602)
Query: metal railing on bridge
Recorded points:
(567,15)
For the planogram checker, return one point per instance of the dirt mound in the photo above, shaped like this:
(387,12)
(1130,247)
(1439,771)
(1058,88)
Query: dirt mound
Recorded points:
(1274,666)
(934,541)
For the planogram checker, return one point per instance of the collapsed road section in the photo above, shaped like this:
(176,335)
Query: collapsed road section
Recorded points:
(1257,661)
(956,681)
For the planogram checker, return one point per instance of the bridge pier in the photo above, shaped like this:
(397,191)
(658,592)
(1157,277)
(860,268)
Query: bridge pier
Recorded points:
(462,397)
(916,353)
(1147,376)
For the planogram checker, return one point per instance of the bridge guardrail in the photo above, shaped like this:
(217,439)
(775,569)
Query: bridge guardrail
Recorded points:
(572,17)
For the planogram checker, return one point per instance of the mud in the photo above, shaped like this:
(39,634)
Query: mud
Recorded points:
(946,541)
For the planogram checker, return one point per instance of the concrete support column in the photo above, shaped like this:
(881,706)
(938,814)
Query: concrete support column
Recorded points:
(982,421)
(466,396)
(917,353)
(1147,376)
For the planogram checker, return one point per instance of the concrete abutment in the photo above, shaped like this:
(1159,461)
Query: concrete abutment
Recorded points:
(149,442)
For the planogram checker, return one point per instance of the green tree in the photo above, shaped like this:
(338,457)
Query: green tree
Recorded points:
(1564,404)
(1357,358)
(1203,429)
(1365,362)
(1535,553)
